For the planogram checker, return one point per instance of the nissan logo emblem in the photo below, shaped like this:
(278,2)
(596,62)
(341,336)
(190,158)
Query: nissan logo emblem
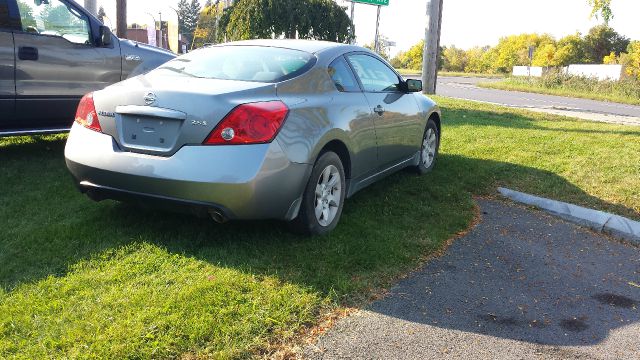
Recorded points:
(150,98)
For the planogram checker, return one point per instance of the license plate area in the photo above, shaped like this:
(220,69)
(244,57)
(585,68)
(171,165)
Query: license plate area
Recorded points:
(148,133)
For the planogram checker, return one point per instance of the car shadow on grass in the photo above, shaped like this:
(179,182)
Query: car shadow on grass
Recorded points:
(385,230)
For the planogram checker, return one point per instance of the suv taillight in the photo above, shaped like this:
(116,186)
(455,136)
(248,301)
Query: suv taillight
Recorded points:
(86,114)
(253,123)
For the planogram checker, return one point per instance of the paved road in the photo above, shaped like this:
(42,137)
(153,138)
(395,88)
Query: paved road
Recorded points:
(465,88)
(521,285)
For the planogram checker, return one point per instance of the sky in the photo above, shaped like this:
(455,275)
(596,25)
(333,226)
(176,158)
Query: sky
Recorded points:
(465,23)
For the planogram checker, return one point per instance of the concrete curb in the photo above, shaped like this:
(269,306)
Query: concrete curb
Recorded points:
(601,221)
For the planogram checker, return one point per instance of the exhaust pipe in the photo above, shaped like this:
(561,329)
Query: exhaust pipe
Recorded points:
(218,217)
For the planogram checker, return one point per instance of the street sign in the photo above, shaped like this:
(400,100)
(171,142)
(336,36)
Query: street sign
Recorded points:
(373,2)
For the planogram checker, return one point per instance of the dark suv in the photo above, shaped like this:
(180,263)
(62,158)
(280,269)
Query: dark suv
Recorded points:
(52,52)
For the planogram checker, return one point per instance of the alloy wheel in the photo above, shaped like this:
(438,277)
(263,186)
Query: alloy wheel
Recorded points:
(328,195)
(429,148)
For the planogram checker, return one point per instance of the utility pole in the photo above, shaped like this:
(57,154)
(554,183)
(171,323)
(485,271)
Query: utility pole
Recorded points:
(121,16)
(431,46)
(375,45)
(353,23)
(91,7)
(161,34)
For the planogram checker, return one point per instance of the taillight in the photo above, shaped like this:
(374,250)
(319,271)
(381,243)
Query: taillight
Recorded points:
(86,114)
(254,123)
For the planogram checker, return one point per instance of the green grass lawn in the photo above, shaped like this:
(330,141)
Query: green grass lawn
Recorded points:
(625,92)
(105,280)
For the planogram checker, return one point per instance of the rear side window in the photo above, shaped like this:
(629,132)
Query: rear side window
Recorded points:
(244,63)
(342,76)
(374,74)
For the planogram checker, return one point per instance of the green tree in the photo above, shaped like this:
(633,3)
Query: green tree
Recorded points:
(602,41)
(26,14)
(477,60)
(570,50)
(189,13)
(601,9)
(207,31)
(514,50)
(57,18)
(383,47)
(633,59)
(545,56)
(305,19)
(454,59)
(410,59)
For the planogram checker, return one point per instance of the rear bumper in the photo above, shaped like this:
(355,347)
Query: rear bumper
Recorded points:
(241,182)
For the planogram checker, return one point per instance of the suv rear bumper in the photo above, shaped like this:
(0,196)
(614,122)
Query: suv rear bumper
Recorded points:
(240,181)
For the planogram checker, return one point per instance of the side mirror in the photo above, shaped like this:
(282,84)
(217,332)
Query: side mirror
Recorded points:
(414,85)
(105,36)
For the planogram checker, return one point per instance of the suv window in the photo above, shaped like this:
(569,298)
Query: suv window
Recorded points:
(9,19)
(342,76)
(54,18)
(374,75)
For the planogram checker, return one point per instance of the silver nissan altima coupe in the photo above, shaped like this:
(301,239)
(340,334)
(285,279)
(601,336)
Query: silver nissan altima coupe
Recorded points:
(263,129)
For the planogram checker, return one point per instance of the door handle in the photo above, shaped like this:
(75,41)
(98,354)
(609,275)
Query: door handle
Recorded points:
(27,53)
(379,110)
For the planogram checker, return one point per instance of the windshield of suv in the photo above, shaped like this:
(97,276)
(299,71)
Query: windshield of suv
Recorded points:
(244,63)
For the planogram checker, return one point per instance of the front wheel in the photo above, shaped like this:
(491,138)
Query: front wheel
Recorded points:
(323,197)
(429,148)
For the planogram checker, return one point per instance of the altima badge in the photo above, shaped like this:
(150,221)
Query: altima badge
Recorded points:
(150,98)
(107,114)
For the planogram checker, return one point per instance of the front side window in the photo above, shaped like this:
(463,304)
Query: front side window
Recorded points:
(243,63)
(54,18)
(342,76)
(374,74)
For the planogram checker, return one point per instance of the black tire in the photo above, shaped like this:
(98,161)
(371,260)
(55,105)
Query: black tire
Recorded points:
(307,222)
(425,167)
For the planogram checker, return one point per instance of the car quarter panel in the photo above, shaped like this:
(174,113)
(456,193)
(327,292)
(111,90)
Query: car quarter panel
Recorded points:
(319,113)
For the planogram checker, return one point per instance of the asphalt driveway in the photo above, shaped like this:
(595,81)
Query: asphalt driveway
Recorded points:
(521,285)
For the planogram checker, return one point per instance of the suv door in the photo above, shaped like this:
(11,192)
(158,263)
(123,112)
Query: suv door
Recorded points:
(57,62)
(396,114)
(8,22)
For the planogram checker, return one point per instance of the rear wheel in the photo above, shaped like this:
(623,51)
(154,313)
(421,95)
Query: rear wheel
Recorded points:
(429,148)
(323,197)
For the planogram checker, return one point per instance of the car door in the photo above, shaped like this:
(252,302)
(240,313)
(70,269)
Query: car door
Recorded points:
(396,113)
(57,62)
(8,22)
(351,110)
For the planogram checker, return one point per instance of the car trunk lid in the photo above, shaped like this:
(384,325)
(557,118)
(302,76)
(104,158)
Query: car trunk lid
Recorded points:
(159,114)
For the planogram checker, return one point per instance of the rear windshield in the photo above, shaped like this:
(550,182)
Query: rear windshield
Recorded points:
(245,63)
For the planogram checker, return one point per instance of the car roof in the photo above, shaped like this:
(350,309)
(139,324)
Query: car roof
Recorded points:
(310,46)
